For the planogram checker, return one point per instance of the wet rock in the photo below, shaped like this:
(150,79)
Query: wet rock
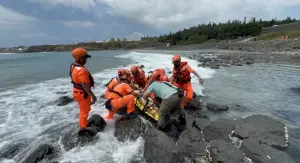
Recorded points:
(141,66)
(225,152)
(129,129)
(201,65)
(216,107)
(62,92)
(195,95)
(194,105)
(263,153)
(169,72)
(97,122)
(296,89)
(40,152)
(200,123)
(102,96)
(217,66)
(219,129)
(238,64)
(242,131)
(64,100)
(263,129)
(249,61)
(70,138)
(208,60)
(87,132)
(159,147)
(10,150)
(196,113)
(201,59)
(191,144)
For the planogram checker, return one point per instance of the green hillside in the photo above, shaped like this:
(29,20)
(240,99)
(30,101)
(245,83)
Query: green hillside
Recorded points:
(223,31)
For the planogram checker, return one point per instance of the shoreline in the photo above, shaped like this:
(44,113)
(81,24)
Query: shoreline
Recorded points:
(287,51)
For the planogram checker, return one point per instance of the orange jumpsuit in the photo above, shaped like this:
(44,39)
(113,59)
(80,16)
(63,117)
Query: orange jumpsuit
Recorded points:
(79,74)
(140,79)
(121,96)
(157,75)
(182,79)
(112,82)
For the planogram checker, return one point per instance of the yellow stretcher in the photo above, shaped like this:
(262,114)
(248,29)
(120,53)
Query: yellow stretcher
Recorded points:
(150,110)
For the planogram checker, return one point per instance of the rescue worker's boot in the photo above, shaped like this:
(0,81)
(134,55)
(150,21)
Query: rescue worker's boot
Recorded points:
(182,123)
(182,120)
(166,127)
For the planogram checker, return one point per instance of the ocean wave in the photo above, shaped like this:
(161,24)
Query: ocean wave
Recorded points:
(31,111)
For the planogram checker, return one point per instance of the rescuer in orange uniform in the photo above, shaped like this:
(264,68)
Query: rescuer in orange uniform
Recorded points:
(116,80)
(139,76)
(82,82)
(119,95)
(157,75)
(181,77)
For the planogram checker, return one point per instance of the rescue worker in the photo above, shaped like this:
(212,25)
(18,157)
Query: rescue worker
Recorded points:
(157,75)
(171,98)
(82,82)
(181,78)
(120,95)
(139,76)
(116,80)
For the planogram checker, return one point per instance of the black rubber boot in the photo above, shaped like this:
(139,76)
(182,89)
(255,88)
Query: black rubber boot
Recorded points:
(182,120)
(182,124)
(165,127)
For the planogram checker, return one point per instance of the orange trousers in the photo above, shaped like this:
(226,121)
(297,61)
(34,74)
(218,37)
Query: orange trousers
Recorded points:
(188,90)
(118,103)
(84,107)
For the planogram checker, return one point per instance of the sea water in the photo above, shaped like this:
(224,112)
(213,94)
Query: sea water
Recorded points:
(31,83)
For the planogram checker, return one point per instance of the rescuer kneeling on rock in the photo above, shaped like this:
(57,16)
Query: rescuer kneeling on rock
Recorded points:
(119,95)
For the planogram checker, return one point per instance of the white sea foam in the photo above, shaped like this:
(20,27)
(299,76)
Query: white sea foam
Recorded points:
(31,111)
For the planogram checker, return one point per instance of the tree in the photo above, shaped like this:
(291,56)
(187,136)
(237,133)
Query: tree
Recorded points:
(232,29)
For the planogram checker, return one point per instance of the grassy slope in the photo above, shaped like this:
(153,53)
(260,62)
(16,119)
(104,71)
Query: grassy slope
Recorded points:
(291,30)
(277,35)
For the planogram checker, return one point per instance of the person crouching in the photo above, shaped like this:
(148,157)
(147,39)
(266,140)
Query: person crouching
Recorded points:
(171,98)
(120,95)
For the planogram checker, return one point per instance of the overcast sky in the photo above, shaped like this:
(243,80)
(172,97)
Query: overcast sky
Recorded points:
(30,22)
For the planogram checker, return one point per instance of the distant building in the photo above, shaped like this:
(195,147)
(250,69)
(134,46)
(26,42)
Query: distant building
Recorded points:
(124,39)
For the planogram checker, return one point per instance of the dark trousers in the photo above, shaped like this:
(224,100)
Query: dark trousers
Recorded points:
(171,104)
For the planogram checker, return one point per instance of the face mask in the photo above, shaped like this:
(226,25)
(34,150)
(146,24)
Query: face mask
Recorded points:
(176,64)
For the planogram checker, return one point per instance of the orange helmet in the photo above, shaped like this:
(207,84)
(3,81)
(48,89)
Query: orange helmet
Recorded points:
(134,69)
(123,74)
(176,58)
(77,53)
(165,78)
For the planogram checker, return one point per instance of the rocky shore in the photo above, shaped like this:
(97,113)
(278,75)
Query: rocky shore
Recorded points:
(290,45)
(255,138)
(216,60)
